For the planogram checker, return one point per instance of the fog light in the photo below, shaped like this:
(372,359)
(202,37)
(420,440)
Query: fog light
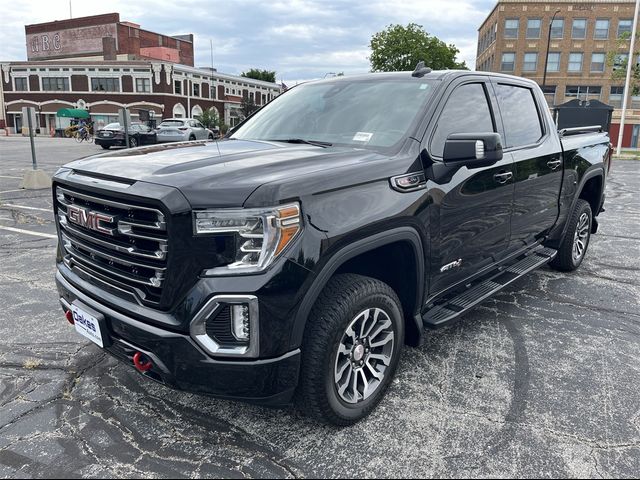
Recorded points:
(240,321)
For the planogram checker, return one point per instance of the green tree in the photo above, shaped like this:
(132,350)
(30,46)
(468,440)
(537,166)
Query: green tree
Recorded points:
(618,59)
(400,48)
(209,118)
(264,75)
(247,107)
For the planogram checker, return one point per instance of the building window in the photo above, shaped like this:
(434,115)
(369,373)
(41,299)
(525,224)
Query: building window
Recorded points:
(511,26)
(575,62)
(615,96)
(143,85)
(579,28)
(177,87)
(105,84)
(54,84)
(533,27)
(530,62)
(549,94)
(601,31)
(624,27)
(508,62)
(553,62)
(196,89)
(557,28)
(597,62)
(582,92)
(21,83)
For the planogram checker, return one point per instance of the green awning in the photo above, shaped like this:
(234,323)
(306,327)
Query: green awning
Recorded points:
(72,113)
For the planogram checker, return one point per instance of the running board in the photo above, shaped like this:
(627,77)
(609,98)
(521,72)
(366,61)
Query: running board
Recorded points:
(476,293)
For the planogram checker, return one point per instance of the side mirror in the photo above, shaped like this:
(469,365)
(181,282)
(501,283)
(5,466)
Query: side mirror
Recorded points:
(473,149)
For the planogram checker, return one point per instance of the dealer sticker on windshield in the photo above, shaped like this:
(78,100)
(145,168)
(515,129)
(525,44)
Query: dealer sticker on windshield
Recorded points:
(362,137)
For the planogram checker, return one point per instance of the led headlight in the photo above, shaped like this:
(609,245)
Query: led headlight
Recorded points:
(262,233)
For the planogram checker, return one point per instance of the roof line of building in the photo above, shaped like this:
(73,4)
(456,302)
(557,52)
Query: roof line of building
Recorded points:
(564,2)
(141,63)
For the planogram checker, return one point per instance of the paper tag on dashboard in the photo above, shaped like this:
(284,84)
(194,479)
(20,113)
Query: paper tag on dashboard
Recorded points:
(362,137)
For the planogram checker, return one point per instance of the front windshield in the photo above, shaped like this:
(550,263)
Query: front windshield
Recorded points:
(372,113)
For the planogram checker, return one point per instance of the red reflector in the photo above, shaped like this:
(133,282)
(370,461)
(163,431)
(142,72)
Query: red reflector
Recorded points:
(69,316)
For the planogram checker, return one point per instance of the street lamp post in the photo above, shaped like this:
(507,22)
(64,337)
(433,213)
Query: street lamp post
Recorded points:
(546,58)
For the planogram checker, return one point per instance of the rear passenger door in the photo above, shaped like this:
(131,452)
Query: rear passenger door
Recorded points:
(537,157)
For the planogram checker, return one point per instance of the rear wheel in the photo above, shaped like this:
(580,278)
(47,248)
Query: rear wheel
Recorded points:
(106,147)
(210,137)
(350,350)
(576,241)
(192,138)
(133,142)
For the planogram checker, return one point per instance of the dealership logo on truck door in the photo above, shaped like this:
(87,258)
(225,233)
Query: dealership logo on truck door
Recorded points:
(89,219)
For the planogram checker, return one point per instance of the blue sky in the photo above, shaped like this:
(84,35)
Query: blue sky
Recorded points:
(299,39)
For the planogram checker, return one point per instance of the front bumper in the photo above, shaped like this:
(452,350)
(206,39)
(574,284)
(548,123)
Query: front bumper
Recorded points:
(180,363)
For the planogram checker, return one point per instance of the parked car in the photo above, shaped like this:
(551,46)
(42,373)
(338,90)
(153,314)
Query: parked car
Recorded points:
(113,135)
(182,130)
(294,260)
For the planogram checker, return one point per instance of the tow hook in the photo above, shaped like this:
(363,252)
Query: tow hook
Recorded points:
(140,363)
(69,316)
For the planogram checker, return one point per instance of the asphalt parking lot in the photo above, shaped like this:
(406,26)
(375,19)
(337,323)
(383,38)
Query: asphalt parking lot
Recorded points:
(542,380)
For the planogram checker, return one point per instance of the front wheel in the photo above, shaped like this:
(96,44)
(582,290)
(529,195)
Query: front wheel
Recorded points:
(133,142)
(351,349)
(576,240)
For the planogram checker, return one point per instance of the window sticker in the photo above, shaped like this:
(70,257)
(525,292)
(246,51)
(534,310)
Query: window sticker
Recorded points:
(362,137)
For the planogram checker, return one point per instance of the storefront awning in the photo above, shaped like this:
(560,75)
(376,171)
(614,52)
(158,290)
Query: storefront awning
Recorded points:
(72,113)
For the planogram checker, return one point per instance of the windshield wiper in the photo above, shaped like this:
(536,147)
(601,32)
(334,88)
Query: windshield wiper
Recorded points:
(316,143)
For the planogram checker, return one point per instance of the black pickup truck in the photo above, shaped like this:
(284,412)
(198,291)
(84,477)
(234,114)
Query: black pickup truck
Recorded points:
(293,260)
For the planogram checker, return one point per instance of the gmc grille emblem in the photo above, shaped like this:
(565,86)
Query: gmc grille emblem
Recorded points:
(91,220)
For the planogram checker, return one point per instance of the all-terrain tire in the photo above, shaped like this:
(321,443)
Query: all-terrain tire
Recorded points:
(345,298)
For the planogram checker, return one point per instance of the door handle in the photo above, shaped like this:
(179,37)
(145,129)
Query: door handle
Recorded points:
(553,164)
(503,177)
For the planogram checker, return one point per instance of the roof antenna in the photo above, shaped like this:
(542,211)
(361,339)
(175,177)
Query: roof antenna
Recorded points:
(420,70)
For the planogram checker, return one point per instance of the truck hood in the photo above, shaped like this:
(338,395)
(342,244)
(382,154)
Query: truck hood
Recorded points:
(219,174)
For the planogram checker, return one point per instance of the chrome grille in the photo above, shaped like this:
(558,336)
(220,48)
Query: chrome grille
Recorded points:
(122,244)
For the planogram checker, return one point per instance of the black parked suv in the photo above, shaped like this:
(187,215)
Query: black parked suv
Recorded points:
(293,260)
(112,135)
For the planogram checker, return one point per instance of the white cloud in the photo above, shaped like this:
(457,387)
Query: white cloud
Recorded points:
(297,38)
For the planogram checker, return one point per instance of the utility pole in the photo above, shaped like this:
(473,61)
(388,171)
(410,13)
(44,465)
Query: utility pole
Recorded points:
(546,58)
(70,12)
(627,82)
(211,45)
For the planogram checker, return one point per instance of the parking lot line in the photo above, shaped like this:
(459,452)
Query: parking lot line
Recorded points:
(10,205)
(11,191)
(10,176)
(28,232)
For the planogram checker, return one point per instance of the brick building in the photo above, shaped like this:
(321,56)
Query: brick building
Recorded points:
(101,64)
(104,37)
(102,87)
(584,48)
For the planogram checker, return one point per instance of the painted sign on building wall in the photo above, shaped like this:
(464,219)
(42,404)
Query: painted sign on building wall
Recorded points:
(62,43)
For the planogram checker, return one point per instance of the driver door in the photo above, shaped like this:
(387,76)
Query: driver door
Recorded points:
(470,221)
